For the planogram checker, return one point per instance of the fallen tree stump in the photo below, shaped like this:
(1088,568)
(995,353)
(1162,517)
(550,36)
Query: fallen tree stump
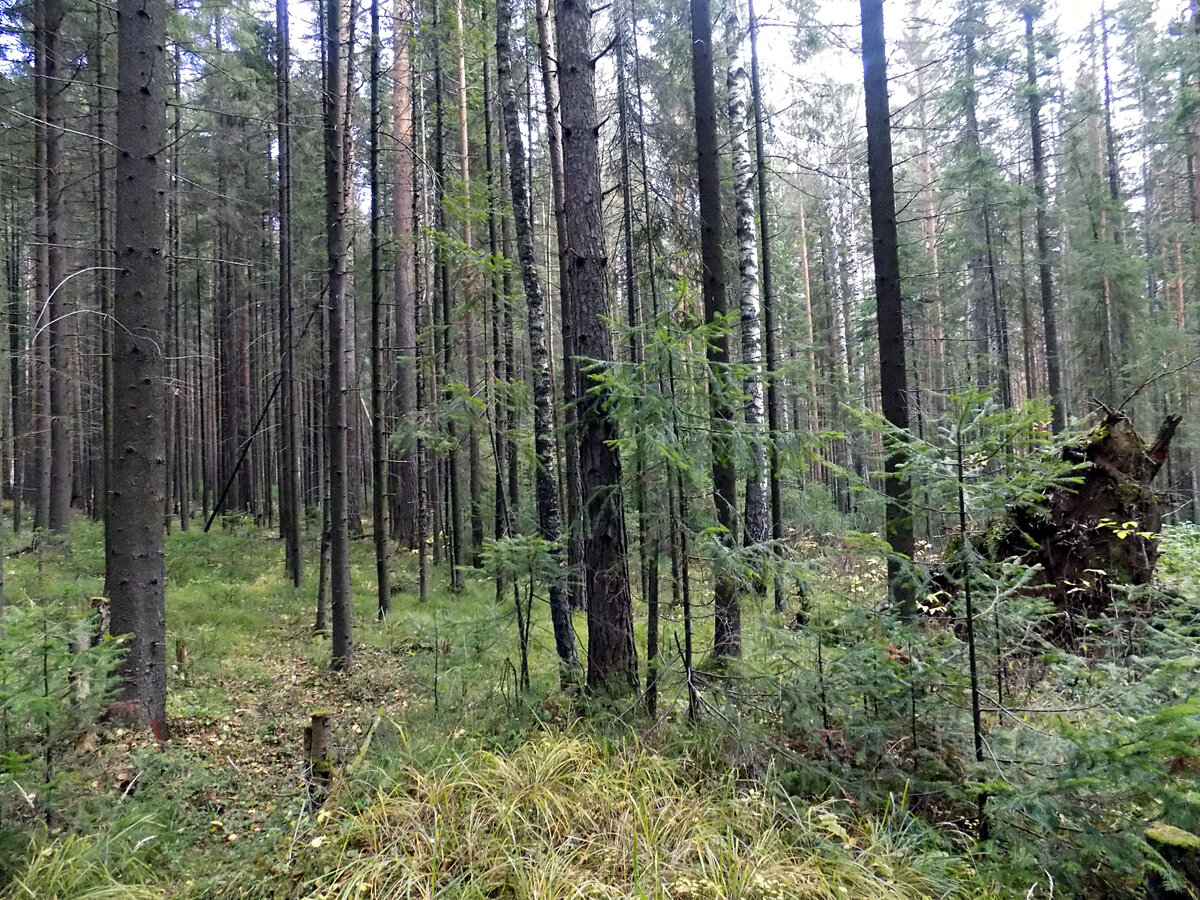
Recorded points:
(1098,532)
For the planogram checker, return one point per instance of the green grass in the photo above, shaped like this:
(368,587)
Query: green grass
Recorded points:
(471,788)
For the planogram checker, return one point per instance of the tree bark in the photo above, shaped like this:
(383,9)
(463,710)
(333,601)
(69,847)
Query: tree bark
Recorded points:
(379,454)
(768,303)
(58,318)
(474,462)
(727,629)
(757,517)
(405,502)
(1042,231)
(336,424)
(290,504)
(570,435)
(134,571)
(612,655)
(543,415)
(893,373)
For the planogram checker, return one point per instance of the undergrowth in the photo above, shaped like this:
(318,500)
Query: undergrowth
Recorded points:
(832,761)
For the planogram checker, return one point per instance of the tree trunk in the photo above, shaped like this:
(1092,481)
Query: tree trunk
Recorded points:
(405,502)
(474,387)
(59,321)
(1053,368)
(543,416)
(768,303)
(570,435)
(1080,539)
(341,599)
(648,551)
(134,573)
(612,655)
(727,629)
(379,455)
(290,505)
(758,520)
(893,374)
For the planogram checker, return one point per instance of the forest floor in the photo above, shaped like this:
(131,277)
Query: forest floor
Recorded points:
(450,782)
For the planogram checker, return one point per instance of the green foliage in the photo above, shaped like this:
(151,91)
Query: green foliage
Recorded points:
(1081,751)
(53,686)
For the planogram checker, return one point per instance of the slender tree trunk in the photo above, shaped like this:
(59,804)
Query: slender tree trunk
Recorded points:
(893,373)
(647,534)
(58,307)
(12,273)
(543,417)
(612,655)
(405,502)
(337,423)
(768,301)
(758,520)
(570,434)
(291,507)
(727,629)
(379,456)
(134,571)
(978,358)
(37,475)
(474,387)
(1042,231)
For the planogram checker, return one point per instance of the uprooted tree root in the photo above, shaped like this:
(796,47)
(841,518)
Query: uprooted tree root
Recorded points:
(1098,532)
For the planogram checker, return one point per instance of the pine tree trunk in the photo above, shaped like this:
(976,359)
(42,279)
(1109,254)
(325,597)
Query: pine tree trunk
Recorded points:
(612,655)
(727,629)
(893,374)
(134,572)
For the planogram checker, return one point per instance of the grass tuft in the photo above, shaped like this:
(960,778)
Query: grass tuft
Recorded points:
(567,817)
(110,864)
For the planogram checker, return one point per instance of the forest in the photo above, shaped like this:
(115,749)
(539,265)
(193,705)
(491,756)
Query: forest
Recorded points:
(536,449)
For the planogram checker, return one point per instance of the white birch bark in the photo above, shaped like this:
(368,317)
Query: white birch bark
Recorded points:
(758,523)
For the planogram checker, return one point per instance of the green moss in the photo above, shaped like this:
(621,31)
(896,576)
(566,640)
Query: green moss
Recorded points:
(1170,836)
